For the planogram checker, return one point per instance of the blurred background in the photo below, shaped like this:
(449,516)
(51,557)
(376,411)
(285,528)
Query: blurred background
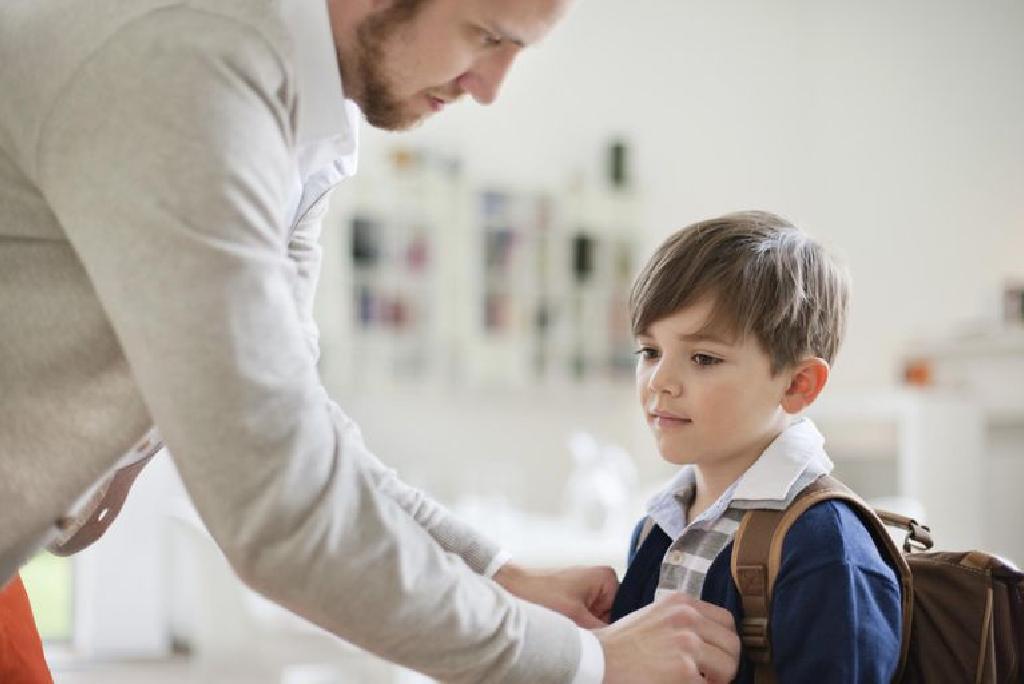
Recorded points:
(475,273)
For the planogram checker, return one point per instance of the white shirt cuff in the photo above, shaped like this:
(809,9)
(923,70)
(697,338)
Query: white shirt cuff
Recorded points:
(499,559)
(591,669)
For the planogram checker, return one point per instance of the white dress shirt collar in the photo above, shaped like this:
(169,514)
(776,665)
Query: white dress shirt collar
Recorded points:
(327,122)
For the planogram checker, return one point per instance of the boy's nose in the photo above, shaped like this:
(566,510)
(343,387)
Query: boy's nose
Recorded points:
(663,381)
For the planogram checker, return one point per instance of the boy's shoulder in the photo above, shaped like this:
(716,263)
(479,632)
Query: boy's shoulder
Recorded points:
(833,582)
(831,533)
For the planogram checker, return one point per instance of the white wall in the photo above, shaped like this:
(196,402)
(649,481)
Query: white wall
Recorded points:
(892,131)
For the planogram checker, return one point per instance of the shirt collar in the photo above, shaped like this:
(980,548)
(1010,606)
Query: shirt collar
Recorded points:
(327,122)
(771,478)
(792,461)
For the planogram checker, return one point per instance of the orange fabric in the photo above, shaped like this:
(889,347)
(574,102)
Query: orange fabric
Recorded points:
(21,651)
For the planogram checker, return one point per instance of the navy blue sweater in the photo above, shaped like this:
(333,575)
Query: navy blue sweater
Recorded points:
(836,613)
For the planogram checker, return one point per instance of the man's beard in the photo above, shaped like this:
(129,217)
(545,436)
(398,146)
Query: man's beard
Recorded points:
(378,102)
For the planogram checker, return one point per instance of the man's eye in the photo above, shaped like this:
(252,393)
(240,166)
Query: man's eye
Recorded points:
(490,40)
(706,360)
(647,353)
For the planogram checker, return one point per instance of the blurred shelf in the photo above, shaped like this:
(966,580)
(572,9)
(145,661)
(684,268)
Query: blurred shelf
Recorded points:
(440,281)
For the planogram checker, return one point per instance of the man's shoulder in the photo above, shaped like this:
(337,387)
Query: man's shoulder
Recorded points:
(83,26)
(264,16)
(45,45)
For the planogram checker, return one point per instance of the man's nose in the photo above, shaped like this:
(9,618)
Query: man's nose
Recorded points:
(484,78)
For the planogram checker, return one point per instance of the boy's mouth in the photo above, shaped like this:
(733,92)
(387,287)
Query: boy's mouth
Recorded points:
(664,419)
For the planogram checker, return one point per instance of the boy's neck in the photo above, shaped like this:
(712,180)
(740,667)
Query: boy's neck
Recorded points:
(713,479)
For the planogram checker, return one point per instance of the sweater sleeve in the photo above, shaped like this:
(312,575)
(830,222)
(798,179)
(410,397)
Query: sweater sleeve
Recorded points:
(166,160)
(454,535)
(836,612)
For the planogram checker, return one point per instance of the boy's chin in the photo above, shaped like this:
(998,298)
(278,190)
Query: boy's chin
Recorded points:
(678,458)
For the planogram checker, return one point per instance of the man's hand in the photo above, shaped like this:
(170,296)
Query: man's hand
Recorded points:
(675,639)
(582,594)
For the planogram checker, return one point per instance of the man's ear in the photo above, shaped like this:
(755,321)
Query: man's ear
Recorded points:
(806,381)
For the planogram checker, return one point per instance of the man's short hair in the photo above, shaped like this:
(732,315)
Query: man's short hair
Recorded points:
(765,277)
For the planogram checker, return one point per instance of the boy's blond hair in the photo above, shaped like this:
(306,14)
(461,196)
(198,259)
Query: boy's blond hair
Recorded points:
(766,277)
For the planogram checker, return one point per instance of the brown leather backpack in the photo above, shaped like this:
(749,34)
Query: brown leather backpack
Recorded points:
(963,612)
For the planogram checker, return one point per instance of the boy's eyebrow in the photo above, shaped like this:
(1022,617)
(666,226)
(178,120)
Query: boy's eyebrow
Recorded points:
(702,337)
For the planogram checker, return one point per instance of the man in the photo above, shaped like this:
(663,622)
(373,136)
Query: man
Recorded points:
(164,166)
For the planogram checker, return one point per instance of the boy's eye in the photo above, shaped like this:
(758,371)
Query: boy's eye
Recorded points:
(706,360)
(647,353)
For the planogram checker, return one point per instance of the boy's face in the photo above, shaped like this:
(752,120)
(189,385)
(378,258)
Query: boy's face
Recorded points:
(709,400)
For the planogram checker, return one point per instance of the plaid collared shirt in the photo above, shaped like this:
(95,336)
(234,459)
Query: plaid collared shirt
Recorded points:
(687,560)
(791,462)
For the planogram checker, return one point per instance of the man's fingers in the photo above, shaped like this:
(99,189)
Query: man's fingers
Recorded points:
(715,627)
(676,639)
(583,594)
(720,648)
(587,620)
(596,588)
(716,664)
(601,600)
(716,613)
(721,636)
(708,634)
(708,610)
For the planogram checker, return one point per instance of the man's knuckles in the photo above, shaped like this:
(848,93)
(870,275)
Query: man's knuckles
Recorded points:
(689,641)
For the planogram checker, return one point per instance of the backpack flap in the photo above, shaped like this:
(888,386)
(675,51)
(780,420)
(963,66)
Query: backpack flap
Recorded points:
(967,619)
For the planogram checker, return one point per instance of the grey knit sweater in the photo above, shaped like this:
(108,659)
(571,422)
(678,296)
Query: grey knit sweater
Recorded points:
(147,148)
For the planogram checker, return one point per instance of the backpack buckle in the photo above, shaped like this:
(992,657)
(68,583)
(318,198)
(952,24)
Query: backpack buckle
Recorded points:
(919,535)
(754,636)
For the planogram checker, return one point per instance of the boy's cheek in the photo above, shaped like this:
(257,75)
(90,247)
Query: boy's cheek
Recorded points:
(643,393)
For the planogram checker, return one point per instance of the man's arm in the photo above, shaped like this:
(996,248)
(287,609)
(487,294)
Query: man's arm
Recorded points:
(166,160)
(580,593)
(452,534)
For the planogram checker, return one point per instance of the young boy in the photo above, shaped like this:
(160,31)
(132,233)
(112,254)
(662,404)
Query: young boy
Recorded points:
(737,320)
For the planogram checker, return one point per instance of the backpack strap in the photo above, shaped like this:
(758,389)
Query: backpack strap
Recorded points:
(757,555)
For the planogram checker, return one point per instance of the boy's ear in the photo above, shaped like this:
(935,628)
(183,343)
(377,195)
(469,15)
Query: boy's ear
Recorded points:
(805,384)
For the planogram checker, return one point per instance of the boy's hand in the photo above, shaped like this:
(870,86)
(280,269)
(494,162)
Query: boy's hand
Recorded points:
(582,594)
(675,639)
